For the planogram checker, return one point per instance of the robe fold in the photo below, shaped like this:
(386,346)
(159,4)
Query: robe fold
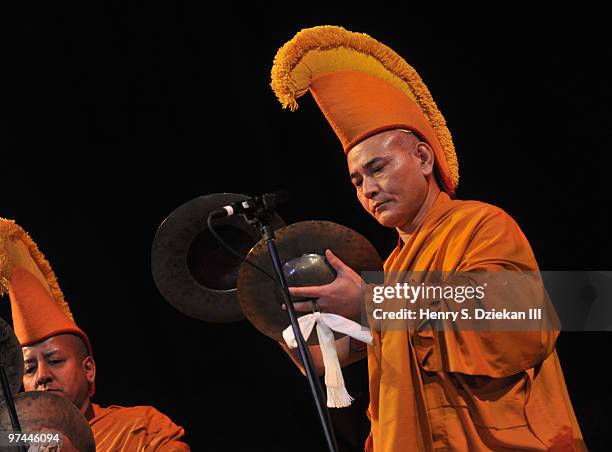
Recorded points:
(457,390)
(135,429)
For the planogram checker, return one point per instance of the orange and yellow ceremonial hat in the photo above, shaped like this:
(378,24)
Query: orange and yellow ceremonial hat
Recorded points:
(363,88)
(38,307)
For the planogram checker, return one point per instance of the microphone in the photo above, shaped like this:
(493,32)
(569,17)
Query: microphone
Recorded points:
(260,204)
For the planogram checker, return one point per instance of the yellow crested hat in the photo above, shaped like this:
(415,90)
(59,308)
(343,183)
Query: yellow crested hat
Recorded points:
(363,88)
(37,302)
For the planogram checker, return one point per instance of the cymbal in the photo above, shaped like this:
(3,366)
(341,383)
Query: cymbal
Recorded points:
(11,357)
(44,412)
(297,243)
(192,271)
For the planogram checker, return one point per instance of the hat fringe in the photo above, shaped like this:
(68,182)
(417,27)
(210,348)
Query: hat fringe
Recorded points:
(9,230)
(361,52)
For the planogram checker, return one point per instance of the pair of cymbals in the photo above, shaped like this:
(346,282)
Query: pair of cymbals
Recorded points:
(203,280)
(301,248)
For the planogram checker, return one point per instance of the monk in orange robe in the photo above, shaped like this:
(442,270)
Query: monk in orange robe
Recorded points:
(58,355)
(450,390)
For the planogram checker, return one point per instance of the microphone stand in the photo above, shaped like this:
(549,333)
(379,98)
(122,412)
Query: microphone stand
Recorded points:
(261,218)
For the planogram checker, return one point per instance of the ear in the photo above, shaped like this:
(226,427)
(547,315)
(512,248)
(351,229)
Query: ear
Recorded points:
(425,154)
(89,366)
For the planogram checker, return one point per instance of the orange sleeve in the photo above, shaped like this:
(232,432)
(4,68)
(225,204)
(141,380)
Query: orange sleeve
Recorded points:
(495,244)
(142,428)
(162,434)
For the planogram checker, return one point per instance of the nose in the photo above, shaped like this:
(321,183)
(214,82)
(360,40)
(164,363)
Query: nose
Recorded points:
(43,375)
(370,188)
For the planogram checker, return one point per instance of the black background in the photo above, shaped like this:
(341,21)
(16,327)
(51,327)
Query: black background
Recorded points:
(113,117)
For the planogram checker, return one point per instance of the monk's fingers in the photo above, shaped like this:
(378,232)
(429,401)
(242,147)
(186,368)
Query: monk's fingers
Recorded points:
(304,306)
(335,261)
(343,271)
(308,291)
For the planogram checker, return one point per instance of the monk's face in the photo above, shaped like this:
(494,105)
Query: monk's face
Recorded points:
(61,365)
(390,172)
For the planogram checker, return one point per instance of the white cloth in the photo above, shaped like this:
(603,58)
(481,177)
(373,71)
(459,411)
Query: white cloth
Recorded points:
(337,395)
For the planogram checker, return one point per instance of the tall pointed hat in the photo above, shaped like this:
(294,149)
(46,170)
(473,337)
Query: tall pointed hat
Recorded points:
(363,88)
(38,306)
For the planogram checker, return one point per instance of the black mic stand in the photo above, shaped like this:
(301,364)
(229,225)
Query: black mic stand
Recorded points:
(261,218)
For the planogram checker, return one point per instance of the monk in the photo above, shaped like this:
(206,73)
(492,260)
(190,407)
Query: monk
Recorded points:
(429,390)
(58,354)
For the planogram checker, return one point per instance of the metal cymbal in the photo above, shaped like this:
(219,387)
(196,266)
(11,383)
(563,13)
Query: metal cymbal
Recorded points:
(11,357)
(44,412)
(193,272)
(261,302)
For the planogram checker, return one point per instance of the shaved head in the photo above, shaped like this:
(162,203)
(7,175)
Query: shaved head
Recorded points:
(409,140)
(406,139)
(78,345)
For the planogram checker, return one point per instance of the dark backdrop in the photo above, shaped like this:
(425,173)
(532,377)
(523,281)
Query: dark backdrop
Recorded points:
(113,117)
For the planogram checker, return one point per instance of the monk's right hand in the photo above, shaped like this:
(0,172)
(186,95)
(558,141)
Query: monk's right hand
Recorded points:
(342,296)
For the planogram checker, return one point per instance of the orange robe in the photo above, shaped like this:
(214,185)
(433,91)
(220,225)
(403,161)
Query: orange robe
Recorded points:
(135,429)
(467,390)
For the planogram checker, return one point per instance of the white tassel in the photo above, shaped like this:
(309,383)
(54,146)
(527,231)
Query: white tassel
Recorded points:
(337,395)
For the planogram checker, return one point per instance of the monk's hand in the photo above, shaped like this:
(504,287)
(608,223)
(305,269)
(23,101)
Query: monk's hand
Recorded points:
(342,296)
